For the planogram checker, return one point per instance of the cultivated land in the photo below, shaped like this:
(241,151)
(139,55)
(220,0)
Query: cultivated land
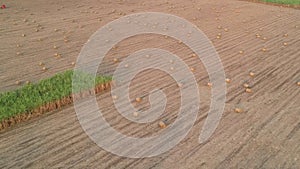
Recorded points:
(265,135)
(291,2)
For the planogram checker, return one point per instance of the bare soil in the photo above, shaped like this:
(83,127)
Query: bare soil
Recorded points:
(265,135)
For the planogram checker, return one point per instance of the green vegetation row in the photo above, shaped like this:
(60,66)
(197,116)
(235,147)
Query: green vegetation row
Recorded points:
(32,96)
(290,2)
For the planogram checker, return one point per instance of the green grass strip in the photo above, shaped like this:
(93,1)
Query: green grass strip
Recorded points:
(32,96)
(290,2)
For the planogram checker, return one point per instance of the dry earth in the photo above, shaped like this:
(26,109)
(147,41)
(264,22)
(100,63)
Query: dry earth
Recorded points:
(265,135)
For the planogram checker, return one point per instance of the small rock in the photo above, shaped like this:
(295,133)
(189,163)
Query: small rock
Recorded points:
(136,114)
(248,90)
(116,60)
(138,99)
(162,125)
(246,85)
(238,110)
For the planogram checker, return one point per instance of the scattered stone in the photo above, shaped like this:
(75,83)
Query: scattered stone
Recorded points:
(248,90)
(138,99)
(209,84)
(252,74)
(116,60)
(246,85)
(162,125)
(136,114)
(238,110)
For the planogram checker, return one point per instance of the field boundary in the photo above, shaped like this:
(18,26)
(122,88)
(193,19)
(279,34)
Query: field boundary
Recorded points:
(48,95)
(274,4)
(51,106)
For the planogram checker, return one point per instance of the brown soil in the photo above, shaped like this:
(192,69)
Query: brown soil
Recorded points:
(265,135)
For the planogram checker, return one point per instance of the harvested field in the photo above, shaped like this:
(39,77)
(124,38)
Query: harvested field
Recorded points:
(249,37)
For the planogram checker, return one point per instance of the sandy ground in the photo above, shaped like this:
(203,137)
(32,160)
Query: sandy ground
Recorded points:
(266,135)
